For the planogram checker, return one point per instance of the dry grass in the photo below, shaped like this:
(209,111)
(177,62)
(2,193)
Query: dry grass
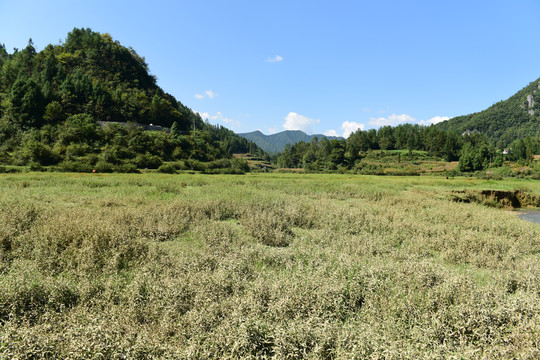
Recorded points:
(263,266)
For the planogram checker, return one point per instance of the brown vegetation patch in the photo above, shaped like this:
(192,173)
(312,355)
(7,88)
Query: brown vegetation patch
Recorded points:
(497,198)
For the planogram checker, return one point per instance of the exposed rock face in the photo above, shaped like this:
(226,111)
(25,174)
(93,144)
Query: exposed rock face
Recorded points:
(470,132)
(539,84)
(530,101)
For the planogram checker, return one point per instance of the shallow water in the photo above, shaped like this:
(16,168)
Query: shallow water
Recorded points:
(530,215)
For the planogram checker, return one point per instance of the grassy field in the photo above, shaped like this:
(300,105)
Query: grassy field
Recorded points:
(283,266)
(402,162)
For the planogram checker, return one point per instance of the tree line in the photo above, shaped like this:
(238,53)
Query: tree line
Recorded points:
(475,151)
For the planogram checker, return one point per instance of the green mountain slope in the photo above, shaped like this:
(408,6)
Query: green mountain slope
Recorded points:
(53,105)
(276,142)
(506,121)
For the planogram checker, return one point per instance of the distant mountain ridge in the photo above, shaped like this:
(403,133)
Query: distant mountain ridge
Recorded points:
(275,143)
(514,118)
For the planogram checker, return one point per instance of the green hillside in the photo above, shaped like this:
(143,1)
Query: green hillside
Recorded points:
(276,142)
(86,103)
(506,121)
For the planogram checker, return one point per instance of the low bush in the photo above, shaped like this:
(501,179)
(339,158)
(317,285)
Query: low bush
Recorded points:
(147,161)
(127,168)
(76,166)
(167,168)
(104,167)
(195,165)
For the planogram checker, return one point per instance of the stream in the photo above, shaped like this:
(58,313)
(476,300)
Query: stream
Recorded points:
(530,215)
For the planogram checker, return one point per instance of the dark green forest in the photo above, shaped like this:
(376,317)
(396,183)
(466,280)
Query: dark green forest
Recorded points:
(88,103)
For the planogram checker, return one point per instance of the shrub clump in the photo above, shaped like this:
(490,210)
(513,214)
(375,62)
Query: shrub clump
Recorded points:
(167,168)
(268,227)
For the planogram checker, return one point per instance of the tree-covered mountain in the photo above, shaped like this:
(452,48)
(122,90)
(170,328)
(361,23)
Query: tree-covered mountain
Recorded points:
(53,103)
(506,121)
(276,142)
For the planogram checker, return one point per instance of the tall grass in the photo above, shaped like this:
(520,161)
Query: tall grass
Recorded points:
(263,266)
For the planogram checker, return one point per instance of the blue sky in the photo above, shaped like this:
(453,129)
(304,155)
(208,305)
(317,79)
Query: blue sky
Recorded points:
(319,66)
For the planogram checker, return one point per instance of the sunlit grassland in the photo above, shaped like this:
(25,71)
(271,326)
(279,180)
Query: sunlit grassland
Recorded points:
(264,266)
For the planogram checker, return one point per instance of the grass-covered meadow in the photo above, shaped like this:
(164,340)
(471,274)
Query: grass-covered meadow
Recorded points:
(281,266)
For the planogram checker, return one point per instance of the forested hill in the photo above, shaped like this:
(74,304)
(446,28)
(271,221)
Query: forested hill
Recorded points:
(515,118)
(276,142)
(51,102)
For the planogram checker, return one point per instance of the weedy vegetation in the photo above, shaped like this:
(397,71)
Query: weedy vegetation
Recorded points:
(264,266)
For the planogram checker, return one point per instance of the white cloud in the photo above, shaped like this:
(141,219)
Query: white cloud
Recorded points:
(294,121)
(219,118)
(350,126)
(208,93)
(433,120)
(330,133)
(392,120)
(275,58)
